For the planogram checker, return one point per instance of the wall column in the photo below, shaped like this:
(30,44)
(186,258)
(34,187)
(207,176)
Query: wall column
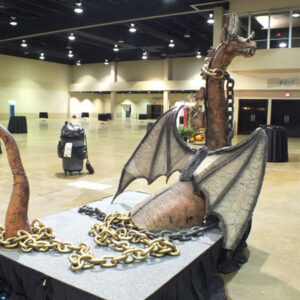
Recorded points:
(218,25)
(166,101)
(269,111)
(114,71)
(113,100)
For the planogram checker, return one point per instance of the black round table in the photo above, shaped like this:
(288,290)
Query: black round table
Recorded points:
(17,124)
(277,143)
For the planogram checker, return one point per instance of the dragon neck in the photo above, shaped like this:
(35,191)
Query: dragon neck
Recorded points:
(216,133)
(16,216)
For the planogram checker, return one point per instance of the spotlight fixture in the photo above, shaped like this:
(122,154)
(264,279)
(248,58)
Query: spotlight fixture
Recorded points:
(106,62)
(70,54)
(71,37)
(171,44)
(78,7)
(116,48)
(282,45)
(198,55)
(295,15)
(211,19)
(13,21)
(24,44)
(78,62)
(132,28)
(42,56)
(145,55)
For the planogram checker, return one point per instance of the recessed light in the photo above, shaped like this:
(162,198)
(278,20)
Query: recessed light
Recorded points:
(171,44)
(116,48)
(78,7)
(13,21)
(106,62)
(282,45)
(70,54)
(24,44)
(71,37)
(132,28)
(211,19)
(145,55)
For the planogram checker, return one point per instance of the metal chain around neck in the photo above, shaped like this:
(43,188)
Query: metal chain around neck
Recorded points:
(229,108)
(181,235)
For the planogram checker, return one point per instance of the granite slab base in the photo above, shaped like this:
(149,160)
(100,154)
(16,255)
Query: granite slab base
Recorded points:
(126,281)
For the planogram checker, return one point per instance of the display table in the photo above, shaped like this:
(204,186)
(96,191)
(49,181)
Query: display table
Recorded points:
(277,143)
(142,117)
(43,115)
(85,115)
(48,276)
(103,117)
(17,124)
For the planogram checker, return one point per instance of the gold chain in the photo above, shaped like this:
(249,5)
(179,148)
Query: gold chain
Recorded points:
(119,237)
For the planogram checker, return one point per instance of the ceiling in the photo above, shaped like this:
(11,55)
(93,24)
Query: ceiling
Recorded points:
(46,24)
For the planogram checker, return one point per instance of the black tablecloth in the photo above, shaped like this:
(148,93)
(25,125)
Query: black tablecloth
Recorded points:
(142,117)
(43,115)
(85,115)
(103,117)
(17,124)
(108,116)
(277,143)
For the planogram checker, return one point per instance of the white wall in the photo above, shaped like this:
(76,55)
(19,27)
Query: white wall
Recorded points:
(89,102)
(34,85)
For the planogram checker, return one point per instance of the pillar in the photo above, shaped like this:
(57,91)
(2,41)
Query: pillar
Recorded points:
(166,101)
(113,96)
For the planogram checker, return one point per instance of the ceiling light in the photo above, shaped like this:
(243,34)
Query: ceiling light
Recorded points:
(13,21)
(198,55)
(71,37)
(295,15)
(24,44)
(171,44)
(70,54)
(106,62)
(42,56)
(78,62)
(132,28)
(211,19)
(187,34)
(78,7)
(116,48)
(282,45)
(145,55)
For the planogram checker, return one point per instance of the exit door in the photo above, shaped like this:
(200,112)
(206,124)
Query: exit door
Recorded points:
(286,113)
(252,114)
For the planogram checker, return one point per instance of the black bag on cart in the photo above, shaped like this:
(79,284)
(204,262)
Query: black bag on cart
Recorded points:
(72,148)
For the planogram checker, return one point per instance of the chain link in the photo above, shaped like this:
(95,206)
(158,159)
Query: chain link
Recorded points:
(117,230)
(229,108)
(182,235)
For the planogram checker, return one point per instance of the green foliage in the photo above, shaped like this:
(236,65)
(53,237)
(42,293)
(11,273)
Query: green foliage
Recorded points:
(186,132)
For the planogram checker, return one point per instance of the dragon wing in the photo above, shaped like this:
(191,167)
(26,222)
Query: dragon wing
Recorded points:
(161,152)
(231,179)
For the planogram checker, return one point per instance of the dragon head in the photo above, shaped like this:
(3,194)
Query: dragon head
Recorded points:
(234,44)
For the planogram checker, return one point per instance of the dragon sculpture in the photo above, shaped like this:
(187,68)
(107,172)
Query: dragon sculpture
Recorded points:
(215,179)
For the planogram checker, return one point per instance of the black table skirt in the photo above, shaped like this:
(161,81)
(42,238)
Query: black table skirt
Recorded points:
(277,143)
(85,115)
(43,115)
(103,117)
(17,124)
(196,281)
(142,117)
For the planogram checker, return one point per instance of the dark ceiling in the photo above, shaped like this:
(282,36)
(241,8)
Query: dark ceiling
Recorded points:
(46,25)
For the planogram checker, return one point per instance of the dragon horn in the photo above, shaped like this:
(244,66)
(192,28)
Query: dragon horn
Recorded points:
(251,36)
(16,216)
(233,24)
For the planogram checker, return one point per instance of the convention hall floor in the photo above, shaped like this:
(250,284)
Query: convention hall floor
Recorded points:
(273,270)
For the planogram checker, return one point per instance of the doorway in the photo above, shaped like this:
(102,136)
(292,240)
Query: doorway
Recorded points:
(286,113)
(252,114)
(127,109)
